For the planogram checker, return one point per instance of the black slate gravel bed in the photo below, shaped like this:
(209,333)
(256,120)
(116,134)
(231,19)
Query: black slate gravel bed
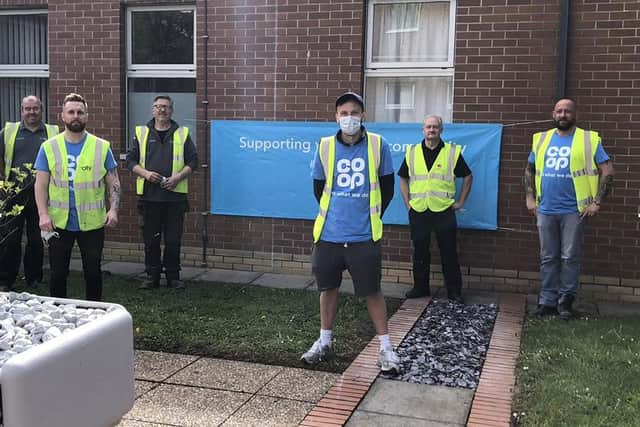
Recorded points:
(447,345)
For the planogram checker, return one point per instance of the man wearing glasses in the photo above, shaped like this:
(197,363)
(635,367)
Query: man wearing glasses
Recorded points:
(19,145)
(162,156)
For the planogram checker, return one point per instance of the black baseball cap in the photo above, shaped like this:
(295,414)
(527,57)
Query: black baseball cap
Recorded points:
(350,96)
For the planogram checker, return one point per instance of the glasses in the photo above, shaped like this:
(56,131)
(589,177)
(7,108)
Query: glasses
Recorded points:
(162,107)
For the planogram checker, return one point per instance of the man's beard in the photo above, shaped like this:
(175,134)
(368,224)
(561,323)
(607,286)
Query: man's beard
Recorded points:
(76,126)
(564,124)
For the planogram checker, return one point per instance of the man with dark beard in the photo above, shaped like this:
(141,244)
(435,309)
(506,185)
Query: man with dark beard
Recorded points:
(19,145)
(73,171)
(566,179)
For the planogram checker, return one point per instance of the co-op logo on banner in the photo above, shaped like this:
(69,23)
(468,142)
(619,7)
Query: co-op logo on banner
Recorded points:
(558,158)
(350,173)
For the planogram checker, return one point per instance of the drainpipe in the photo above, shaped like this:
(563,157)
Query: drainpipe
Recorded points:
(563,36)
(205,162)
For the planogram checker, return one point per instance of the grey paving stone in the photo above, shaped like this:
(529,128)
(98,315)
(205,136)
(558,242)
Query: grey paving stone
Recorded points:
(186,406)
(286,281)
(156,366)
(372,419)
(190,273)
(228,276)
(480,297)
(425,402)
(141,387)
(266,411)
(299,384)
(123,268)
(394,290)
(226,375)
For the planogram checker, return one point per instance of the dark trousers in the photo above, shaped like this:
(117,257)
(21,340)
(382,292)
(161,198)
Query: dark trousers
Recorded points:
(445,226)
(33,251)
(158,219)
(91,244)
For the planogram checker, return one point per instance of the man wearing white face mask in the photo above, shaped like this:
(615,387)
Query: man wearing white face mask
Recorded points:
(353,183)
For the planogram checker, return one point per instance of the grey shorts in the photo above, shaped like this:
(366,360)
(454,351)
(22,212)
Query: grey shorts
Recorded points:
(363,260)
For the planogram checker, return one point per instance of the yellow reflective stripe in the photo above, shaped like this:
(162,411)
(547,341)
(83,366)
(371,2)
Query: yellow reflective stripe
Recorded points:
(541,138)
(142,133)
(412,163)
(52,130)
(97,160)
(323,213)
(324,155)
(590,168)
(59,204)
(450,166)
(88,185)
(375,146)
(432,194)
(92,206)
(57,155)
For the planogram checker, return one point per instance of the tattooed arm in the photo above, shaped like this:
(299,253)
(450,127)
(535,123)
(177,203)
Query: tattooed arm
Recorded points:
(604,187)
(114,191)
(529,187)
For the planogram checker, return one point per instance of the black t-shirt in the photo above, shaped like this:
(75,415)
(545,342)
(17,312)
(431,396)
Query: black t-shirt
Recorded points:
(460,170)
(26,146)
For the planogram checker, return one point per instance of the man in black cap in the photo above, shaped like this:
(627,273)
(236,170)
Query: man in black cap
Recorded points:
(353,183)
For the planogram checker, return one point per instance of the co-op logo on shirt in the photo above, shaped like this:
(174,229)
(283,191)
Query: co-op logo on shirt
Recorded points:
(350,173)
(558,158)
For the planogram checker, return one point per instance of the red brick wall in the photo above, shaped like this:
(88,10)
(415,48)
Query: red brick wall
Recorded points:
(288,62)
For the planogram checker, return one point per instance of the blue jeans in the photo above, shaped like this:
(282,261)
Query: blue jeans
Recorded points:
(560,257)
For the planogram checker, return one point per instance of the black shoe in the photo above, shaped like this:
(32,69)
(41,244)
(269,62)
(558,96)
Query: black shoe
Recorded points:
(149,284)
(175,283)
(545,310)
(564,308)
(418,292)
(456,298)
(35,283)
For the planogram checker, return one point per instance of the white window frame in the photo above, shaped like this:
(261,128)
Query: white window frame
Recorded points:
(370,64)
(25,70)
(159,70)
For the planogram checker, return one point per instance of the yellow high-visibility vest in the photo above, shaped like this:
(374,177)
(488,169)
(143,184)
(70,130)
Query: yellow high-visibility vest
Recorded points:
(88,183)
(433,189)
(327,151)
(584,171)
(179,139)
(10,134)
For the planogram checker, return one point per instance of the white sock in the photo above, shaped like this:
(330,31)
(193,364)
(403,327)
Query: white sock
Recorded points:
(325,337)
(385,342)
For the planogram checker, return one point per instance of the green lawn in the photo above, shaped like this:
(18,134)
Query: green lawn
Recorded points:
(585,372)
(237,322)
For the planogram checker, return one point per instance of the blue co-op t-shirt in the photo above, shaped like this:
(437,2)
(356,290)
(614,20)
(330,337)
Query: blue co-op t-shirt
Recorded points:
(558,191)
(73,152)
(348,217)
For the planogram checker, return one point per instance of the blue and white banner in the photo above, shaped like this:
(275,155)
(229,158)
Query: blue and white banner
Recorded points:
(264,168)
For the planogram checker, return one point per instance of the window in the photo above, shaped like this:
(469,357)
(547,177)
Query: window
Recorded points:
(409,65)
(161,58)
(24,64)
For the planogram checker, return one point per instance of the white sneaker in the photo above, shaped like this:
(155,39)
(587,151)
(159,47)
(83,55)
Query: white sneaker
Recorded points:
(317,353)
(388,361)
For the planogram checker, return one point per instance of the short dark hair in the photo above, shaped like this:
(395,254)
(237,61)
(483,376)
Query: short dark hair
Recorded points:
(74,97)
(350,96)
(167,97)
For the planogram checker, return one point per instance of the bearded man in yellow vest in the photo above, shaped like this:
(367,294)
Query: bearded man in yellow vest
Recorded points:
(428,173)
(19,145)
(566,179)
(353,183)
(162,156)
(73,172)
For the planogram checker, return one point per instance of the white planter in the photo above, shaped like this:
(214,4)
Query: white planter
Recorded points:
(83,378)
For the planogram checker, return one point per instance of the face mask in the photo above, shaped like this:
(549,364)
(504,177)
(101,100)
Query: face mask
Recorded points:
(350,125)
